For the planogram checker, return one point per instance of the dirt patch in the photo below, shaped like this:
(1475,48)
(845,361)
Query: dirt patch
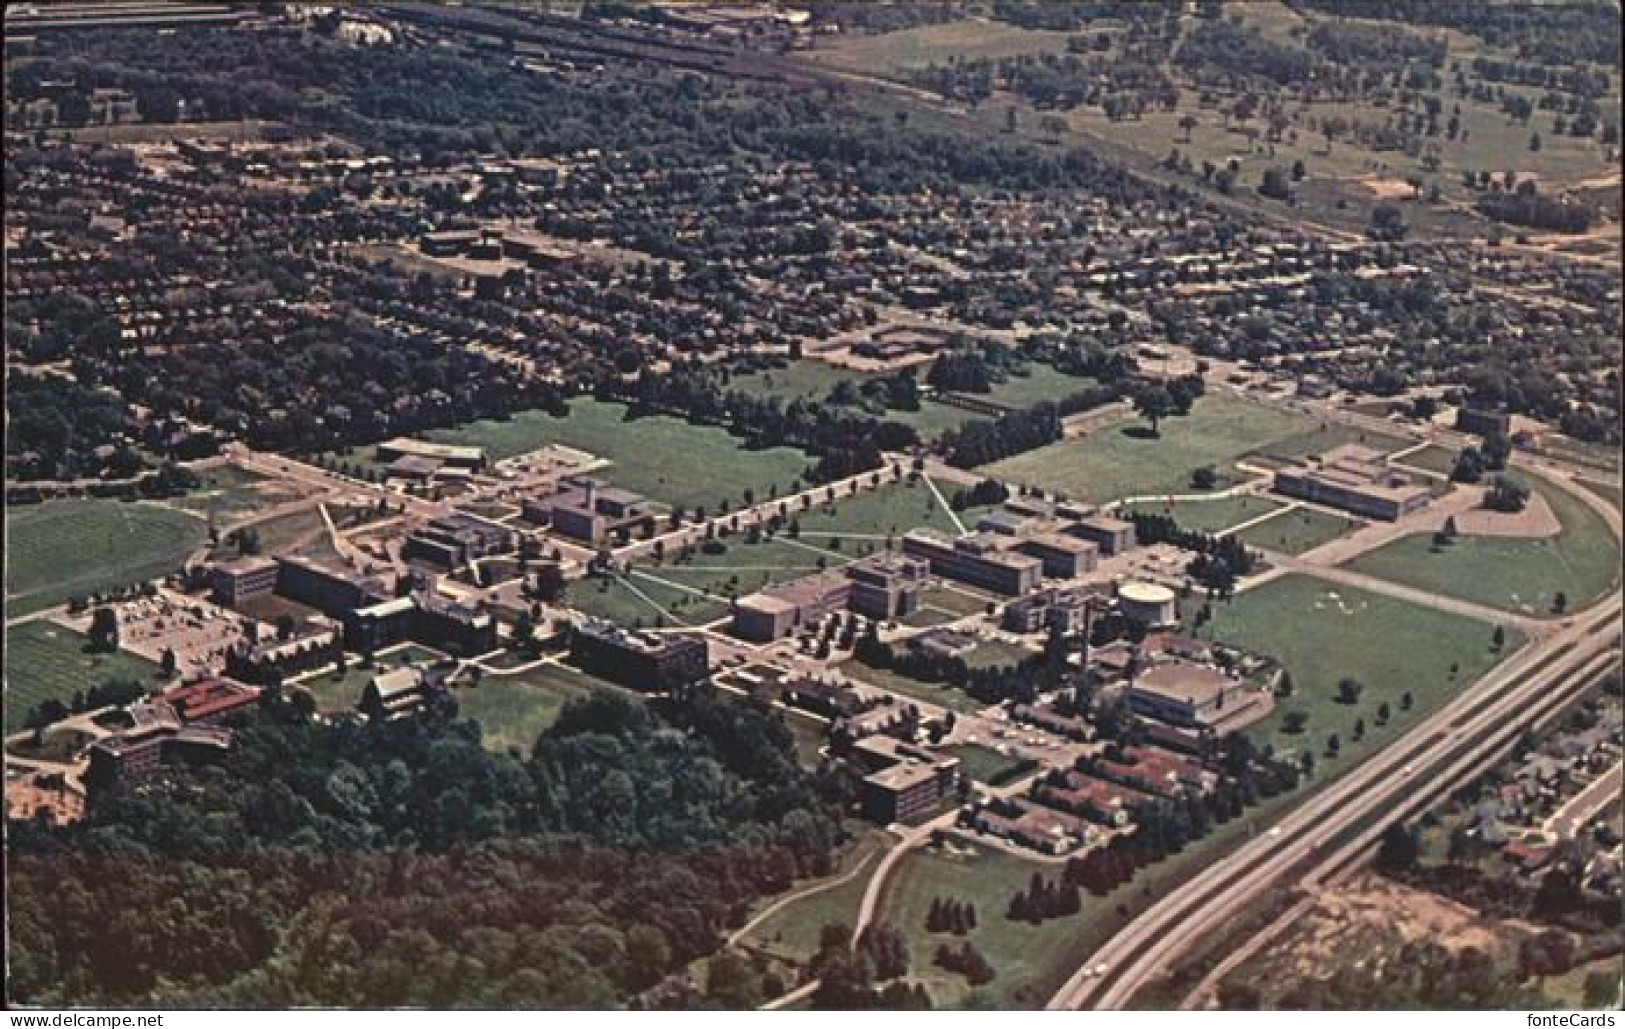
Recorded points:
(1389,189)
(1536,520)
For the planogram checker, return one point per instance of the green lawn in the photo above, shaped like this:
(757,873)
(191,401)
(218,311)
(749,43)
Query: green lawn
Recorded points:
(664,458)
(46,661)
(1322,633)
(514,709)
(933,418)
(1431,459)
(1123,460)
(66,548)
(893,509)
(747,567)
(1034,383)
(621,602)
(983,764)
(801,380)
(1510,573)
(1213,515)
(1297,531)
(791,933)
(913,49)
(940,694)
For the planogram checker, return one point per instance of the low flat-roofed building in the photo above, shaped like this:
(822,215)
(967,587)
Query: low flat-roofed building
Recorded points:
(781,609)
(590,510)
(400,692)
(472,458)
(210,701)
(1354,478)
(1064,556)
(1032,825)
(232,582)
(974,561)
(414,468)
(1004,523)
(456,539)
(1113,535)
(825,697)
(1194,696)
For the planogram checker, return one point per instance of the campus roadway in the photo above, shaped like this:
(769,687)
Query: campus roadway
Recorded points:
(1460,737)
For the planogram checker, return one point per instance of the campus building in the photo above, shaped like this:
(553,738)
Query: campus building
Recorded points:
(424,617)
(1112,535)
(331,588)
(159,738)
(1063,556)
(457,539)
(1192,696)
(1066,609)
(590,510)
(211,701)
(1354,478)
(906,783)
(451,455)
(884,587)
(232,582)
(647,661)
(1149,603)
(976,560)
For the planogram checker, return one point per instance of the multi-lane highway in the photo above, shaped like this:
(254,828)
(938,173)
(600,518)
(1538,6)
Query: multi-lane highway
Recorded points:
(1329,827)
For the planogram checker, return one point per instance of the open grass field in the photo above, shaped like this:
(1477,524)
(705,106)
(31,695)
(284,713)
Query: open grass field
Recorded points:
(747,567)
(1034,383)
(1122,460)
(984,764)
(1297,531)
(1515,574)
(67,548)
(934,418)
(1213,515)
(791,933)
(806,379)
(664,458)
(1431,459)
(1322,633)
(643,600)
(940,694)
(891,510)
(46,661)
(514,709)
(914,49)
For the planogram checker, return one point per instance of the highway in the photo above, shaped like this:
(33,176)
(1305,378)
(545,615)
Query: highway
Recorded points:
(1476,726)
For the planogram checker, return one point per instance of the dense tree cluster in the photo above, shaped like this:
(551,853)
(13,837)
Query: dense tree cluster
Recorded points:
(411,866)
